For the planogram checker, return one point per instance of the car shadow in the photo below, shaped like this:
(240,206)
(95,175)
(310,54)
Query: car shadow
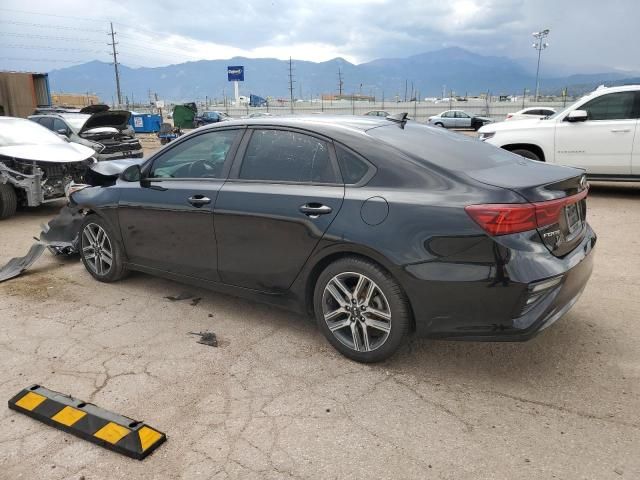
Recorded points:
(614,189)
(567,347)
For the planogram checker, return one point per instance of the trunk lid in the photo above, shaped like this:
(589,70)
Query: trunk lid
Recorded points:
(558,193)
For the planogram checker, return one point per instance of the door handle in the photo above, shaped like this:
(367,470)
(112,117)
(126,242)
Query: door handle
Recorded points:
(621,130)
(199,200)
(314,210)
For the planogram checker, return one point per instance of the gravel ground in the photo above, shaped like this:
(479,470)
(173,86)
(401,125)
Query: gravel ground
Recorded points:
(274,400)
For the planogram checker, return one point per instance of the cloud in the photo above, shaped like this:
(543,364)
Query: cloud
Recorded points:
(160,32)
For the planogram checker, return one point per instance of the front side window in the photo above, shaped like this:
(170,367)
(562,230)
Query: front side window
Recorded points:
(202,156)
(447,115)
(613,106)
(285,156)
(461,115)
(59,125)
(46,122)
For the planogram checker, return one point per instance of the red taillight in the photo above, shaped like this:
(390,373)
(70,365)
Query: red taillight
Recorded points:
(509,116)
(505,218)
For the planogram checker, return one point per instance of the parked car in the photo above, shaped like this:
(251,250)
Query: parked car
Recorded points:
(598,133)
(377,113)
(258,115)
(458,119)
(375,227)
(36,165)
(209,117)
(530,112)
(107,132)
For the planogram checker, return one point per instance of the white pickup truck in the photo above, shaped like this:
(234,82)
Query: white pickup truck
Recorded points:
(600,133)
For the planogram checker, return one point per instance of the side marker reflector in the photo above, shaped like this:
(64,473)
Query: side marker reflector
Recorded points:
(109,430)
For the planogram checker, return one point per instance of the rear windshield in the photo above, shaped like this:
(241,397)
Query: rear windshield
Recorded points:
(453,151)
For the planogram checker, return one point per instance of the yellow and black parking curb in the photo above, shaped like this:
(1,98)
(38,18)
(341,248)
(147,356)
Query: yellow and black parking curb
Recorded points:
(109,430)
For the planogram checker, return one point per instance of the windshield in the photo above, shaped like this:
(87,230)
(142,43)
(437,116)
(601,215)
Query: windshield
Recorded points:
(16,131)
(76,121)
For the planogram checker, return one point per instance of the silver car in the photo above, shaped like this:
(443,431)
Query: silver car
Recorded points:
(36,165)
(458,119)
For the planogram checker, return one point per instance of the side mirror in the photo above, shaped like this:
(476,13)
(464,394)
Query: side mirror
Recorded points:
(62,131)
(131,174)
(577,116)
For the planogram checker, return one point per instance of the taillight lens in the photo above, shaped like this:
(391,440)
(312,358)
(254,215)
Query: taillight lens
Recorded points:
(506,218)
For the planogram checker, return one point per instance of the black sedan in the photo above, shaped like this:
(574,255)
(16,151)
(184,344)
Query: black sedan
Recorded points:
(377,228)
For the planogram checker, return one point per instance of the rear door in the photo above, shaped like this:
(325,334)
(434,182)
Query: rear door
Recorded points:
(166,220)
(283,193)
(603,143)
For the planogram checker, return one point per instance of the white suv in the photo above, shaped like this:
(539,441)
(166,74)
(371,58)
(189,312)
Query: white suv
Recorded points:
(600,133)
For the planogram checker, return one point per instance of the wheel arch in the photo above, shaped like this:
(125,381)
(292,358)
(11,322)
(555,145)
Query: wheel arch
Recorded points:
(333,255)
(526,146)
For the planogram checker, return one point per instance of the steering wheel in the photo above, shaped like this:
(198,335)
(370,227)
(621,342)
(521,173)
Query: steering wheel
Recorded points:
(204,168)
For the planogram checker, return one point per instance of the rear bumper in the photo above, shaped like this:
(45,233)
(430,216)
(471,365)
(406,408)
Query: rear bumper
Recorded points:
(490,308)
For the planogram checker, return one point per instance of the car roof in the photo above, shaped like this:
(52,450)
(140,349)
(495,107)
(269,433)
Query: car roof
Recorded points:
(328,125)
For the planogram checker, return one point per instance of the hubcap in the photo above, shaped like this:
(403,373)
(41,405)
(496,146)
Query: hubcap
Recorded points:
(96,249)
(356,311)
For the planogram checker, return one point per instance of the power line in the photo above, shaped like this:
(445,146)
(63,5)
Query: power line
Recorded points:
(49,37)
(47,25)
(88,19)
(46,47)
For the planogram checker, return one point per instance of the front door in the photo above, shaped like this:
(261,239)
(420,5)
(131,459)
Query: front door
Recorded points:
(166,220)
(275,207)
(603,143)
(463,120)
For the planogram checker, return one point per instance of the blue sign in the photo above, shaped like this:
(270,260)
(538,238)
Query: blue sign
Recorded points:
(235,73)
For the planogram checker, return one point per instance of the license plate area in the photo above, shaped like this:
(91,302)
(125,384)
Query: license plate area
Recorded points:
(572,215)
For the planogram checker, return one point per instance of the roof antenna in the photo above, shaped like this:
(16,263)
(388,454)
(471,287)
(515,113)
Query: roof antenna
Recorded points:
(399,118)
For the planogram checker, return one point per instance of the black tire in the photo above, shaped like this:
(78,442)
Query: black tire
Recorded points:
(523,152)
(389,294)
(438,124)
(117,270)
(8,200)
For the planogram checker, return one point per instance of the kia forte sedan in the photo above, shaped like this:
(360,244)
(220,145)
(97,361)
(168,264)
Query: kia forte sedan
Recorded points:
(377,228)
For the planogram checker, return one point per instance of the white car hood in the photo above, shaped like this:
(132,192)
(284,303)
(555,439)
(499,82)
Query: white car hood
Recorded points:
(53,153)
(101,130)
(519,125)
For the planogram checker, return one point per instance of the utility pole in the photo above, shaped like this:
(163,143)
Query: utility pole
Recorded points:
(539,45)
(115,63)
(291,82)
(340,82)
(406,84)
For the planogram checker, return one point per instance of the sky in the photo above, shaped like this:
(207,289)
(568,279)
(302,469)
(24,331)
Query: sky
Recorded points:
(586,35)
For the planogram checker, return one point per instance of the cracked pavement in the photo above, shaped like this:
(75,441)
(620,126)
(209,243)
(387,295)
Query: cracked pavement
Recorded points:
(275,401)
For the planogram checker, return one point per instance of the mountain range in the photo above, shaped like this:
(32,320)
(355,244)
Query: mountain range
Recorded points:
(450,69)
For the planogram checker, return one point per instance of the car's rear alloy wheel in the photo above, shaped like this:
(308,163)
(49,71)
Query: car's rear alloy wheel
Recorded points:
(96,249)
(100,250)
(361,309)
(356,311)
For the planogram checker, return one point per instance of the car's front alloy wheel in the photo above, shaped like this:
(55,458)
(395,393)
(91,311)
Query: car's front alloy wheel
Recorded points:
(356,311)
(97,249)
(100,250)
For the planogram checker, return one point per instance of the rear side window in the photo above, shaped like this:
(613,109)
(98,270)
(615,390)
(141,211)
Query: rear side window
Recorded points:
(285,156)
(613,106)
(352,167)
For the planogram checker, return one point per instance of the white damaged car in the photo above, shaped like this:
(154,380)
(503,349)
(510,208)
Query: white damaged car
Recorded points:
(36,165)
